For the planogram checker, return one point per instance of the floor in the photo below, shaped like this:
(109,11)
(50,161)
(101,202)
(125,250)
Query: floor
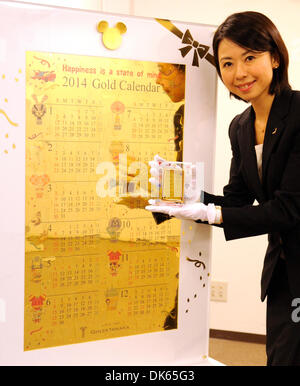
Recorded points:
(234,353)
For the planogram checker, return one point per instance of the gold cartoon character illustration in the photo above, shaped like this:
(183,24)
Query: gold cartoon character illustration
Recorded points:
(39,109)
(114,262)
(111,37)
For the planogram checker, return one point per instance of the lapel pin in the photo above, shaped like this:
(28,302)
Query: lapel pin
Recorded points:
(274,131)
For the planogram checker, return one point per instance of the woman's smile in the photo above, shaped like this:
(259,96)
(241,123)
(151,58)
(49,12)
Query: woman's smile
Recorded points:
(245,87)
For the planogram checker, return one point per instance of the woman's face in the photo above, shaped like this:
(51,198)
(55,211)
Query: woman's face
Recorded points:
(172,81)
(247,74)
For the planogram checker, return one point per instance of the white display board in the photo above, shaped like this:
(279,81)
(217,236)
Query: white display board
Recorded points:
(29,29)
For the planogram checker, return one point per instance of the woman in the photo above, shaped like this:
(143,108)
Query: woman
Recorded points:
(252,61)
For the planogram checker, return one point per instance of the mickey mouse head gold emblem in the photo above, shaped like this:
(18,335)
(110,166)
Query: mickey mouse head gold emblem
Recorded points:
(111,37)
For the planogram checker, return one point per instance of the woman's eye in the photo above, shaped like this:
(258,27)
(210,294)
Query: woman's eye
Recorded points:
(250,58)
(227,64)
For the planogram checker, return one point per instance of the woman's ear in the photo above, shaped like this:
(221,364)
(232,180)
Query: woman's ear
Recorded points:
(275,61)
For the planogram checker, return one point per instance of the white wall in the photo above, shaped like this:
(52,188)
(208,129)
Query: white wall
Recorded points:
(237,262)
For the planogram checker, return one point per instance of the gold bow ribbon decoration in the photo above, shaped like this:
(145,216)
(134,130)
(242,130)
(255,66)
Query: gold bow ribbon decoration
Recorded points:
(200,50)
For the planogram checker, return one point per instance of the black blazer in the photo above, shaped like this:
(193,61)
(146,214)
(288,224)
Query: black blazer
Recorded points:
(278,212)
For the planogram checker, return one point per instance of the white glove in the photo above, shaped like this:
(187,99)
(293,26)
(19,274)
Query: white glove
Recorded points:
(195,211)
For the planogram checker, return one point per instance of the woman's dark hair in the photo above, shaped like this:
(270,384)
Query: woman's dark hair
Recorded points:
(254,31)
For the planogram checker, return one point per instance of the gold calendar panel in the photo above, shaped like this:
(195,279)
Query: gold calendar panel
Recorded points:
(84,289)
(96,266)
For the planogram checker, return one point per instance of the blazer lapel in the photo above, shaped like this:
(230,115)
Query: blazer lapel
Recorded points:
(275,127)
(246,140)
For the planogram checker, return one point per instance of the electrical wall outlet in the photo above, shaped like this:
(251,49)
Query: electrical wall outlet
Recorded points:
(218,292)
